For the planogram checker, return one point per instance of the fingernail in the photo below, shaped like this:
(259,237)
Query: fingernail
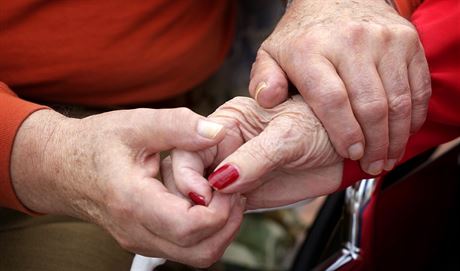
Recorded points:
(223,177)
(356,151)
(260,87)
(242,201)
(375,168)
(208,129)
(196,198)
(390,164)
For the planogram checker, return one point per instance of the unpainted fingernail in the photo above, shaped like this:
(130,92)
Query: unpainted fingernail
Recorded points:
(243,201)
(260,87)
(375,168)
(356,151)
(208,129)
(223,176)
(235,199)
(197,198)
(390,164)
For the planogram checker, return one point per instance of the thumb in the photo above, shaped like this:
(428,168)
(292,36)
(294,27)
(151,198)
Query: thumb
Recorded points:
(180,128)
(268,84)
(242,170)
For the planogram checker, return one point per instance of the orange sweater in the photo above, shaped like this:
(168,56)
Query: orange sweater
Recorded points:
(102,53)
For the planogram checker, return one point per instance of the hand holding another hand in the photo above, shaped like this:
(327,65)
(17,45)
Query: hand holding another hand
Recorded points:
(361,68)
(103,169)
(273,156)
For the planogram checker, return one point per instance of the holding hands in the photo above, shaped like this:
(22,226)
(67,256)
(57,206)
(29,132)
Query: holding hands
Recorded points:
(361,72)
(103,169)
(361,68)
(273,156)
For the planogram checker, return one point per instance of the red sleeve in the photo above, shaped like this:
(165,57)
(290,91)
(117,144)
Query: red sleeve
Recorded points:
(438,25)
(13,111)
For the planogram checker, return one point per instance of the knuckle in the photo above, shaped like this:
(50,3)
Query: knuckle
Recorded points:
(215,220)
(183,112)
(332,99)
(349,135)
(126,243)
(356,30)
(400,106)
(374,110)
(260,55)
(407,32)
(382,33)
(357,34)
(423,94)
(185,236)
(207,257)
(305,43)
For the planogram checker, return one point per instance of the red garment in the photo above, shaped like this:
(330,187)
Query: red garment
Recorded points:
(406,7)
(438,25)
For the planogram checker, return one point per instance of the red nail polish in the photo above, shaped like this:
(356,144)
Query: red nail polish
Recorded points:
(196,198)
(223,177)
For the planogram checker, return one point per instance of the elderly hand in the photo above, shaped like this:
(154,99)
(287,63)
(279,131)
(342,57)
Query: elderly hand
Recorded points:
(361,68)
(103,169)
(274,156)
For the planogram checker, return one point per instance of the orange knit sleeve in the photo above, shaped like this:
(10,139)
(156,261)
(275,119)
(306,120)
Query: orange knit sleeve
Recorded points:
(13,111)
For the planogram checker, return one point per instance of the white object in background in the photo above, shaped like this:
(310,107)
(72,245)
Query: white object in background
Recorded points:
(142,263)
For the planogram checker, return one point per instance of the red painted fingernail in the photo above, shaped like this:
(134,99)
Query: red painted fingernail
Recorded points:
(196,198)
(223,177)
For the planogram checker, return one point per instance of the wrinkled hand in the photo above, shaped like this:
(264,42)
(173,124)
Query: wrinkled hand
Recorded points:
(361,68)
(103,169)
(274,156)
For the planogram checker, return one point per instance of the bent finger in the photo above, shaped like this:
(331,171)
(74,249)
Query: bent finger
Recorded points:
(268,83)
(324,91)
(165,129)
(188,169)
(396,84)
(420,85)
(369,103)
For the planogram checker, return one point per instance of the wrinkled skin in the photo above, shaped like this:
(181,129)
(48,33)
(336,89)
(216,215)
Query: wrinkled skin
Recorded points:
(361,68)
(103,169)
(283,155)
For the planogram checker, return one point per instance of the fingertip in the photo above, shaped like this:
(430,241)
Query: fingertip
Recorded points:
(210,130)
(269,95)
(260,87)
(356,151)
(390,164)
(197,198)
(373,168)
(223,176)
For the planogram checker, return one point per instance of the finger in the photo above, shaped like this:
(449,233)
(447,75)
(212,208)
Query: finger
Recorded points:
(188,169)
(176,220)
(370,107)
(281,189)
(268,83)
(242,170)
(396,84)
(167,177)
(420,85)
(201,254)
(214,247)
(325,92)
(165,129)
